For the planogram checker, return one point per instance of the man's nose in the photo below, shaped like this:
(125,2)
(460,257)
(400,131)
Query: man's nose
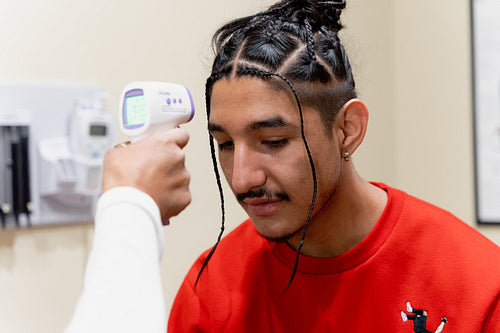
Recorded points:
(248,171)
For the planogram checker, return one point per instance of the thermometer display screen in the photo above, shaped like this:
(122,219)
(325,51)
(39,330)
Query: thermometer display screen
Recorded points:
(135,110)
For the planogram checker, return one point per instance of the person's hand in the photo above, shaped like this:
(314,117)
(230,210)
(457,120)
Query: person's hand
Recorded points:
(155,166)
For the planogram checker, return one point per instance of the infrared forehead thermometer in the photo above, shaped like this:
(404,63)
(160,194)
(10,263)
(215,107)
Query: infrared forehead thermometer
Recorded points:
(150,107)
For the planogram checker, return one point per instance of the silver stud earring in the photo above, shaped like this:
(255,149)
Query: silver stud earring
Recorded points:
(347,157)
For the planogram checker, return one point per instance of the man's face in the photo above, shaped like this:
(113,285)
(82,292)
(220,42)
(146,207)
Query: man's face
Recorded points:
(264,158)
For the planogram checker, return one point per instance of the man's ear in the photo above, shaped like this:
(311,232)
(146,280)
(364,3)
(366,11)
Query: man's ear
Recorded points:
(351,125)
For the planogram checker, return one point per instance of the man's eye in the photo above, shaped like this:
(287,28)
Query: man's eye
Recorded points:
(275,143)
(225,145)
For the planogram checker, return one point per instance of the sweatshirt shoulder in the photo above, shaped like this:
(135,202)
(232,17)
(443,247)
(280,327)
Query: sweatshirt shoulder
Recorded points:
(445,228)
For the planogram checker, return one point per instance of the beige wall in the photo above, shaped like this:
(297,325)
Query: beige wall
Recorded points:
(412,62)
(432,91)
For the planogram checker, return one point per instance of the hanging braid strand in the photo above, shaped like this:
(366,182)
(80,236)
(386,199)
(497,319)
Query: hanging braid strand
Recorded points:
(210,81)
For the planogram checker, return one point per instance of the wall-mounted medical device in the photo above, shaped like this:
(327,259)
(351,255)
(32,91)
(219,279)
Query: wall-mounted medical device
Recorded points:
(52,141)
(149,107)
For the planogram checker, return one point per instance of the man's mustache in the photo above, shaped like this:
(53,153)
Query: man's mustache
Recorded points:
(262,193)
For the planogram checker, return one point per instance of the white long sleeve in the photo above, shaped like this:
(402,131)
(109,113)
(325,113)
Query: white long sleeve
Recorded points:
(122,289)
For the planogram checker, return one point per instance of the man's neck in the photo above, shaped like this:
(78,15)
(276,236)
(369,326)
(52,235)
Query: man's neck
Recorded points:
(345,220)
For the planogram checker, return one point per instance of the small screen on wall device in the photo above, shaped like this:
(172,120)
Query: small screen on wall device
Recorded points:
(97,130)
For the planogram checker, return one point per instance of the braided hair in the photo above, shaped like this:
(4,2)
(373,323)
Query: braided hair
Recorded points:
(294,44)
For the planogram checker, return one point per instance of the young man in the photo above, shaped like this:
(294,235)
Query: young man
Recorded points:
(323,250)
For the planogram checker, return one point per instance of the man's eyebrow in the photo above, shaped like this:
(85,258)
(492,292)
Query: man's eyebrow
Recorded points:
(273,122)
(215,128)
(267,123)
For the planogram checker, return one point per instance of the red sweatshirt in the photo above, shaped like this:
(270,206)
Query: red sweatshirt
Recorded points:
(419,270)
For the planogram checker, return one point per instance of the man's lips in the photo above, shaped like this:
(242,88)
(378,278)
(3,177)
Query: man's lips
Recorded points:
(262,206)
(261,201)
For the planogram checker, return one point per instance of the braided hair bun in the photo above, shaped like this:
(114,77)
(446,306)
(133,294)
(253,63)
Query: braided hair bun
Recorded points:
(298,38)
(318,13)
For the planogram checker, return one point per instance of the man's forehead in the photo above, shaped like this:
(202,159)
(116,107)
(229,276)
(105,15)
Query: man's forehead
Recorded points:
(251,90)
(250,104)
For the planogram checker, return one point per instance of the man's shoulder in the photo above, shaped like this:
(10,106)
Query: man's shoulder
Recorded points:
(422,221)
(429,223)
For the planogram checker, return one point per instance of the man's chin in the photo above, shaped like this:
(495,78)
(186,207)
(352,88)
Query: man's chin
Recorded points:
(277,239)
(280,238)
(277,234)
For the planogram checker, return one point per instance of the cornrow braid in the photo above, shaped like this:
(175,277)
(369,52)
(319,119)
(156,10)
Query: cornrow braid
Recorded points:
(310,41)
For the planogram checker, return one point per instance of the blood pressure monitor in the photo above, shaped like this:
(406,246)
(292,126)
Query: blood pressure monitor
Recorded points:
(89,132)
